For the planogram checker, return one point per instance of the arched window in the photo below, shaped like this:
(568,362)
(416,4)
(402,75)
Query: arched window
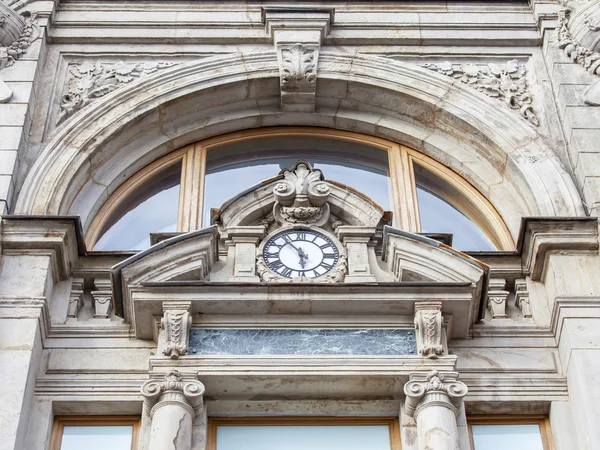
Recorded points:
(177,192)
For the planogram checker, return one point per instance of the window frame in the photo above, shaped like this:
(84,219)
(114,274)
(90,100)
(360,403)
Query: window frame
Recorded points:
(403,192)
(542,421)
(392,422)
(61,421)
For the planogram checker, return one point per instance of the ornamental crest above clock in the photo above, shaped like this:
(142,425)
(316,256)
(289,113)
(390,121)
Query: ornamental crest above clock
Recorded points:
(299,227)
(302,247)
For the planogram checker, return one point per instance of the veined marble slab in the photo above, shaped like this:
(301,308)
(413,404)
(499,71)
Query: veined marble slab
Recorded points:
(302,342)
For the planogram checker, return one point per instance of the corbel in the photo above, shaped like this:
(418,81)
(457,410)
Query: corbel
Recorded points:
(522,298)
(75,298)
(297,34)
(497,296)
(176,323)
(429,328)
(102,298)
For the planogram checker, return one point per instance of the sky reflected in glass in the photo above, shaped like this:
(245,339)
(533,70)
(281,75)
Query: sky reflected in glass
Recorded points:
(439,216)
(371,437)
(502,437)
(96,438)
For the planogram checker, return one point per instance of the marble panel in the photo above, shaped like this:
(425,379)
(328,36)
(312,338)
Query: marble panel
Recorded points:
(302,342)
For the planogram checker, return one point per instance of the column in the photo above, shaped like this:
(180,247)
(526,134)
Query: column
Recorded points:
(173,403)
(434,400)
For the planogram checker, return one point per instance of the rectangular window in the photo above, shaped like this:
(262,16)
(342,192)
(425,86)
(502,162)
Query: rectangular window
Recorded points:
(95,433)
(510,432)
(304,433)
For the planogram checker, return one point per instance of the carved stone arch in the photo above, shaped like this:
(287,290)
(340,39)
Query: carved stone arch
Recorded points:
(93,152)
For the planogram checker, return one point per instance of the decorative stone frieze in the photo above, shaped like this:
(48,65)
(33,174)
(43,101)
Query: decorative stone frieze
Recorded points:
(75,298)
(172,403)
(522,298)
(434,399)
(497,296)
(89,80)
(297,34)
(301,197)
(176,323)
(102,298)
(429,327)
(506,82)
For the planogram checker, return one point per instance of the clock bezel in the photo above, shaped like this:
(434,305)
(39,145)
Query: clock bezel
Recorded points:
(341,260)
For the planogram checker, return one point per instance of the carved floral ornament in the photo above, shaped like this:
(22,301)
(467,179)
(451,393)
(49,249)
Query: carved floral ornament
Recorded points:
(90,80)
(299,70)
(505,82)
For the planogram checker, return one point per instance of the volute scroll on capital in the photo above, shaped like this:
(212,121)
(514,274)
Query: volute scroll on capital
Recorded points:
(433,389)
(173,389)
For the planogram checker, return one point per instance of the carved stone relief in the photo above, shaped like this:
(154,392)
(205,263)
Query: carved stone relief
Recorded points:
(176,322)
(506,82)
(429,329)
(298,73)
(301,197)
(89,80)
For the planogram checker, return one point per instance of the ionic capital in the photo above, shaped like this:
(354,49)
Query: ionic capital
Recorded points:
(173,390)
(433,389)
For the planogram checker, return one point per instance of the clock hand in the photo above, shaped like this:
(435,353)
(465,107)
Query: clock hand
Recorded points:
(303,257)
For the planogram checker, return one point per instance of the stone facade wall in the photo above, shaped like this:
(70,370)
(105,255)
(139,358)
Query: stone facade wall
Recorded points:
(483,87)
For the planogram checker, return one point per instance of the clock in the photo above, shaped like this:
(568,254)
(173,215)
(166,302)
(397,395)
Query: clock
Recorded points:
(299,252)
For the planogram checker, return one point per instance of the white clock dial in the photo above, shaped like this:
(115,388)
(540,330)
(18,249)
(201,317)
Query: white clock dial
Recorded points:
(295,253)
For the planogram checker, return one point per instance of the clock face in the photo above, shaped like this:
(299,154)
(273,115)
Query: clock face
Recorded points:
(295,253)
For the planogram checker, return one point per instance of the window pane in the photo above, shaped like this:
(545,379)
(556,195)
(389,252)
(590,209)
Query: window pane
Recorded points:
(96,438)
(502,437)
(151,209)
(371,437)
(439,216)
(236,167)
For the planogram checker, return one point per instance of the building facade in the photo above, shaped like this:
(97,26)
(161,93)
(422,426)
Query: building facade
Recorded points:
(290,225)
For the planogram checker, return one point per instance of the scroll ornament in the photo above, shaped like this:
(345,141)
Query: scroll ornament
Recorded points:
(173,388)
(435,389)
(301,197)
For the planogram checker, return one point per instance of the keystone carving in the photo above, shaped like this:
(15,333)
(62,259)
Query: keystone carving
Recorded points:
(506,82)
(429,326)
(173,389)
(90,80)
(176,322)
(433,389)
(75,298)
(102,298)
(301,197)
(299,68)
(497,298)
(522,298)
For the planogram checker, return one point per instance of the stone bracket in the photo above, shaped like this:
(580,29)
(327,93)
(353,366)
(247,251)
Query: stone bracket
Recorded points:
(102,298)
(522,298)
(297,35)
(176,322)
(75,298)
(497,296)
(429,327)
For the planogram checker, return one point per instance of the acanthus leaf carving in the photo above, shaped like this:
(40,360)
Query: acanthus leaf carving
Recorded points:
(429,325)
(176,322)
(506,82)
(298,75)
(301,197)
(90,80)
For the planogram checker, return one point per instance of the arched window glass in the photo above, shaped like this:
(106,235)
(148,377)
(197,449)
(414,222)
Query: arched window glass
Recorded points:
(177,192)
(237,167)
(151,208)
